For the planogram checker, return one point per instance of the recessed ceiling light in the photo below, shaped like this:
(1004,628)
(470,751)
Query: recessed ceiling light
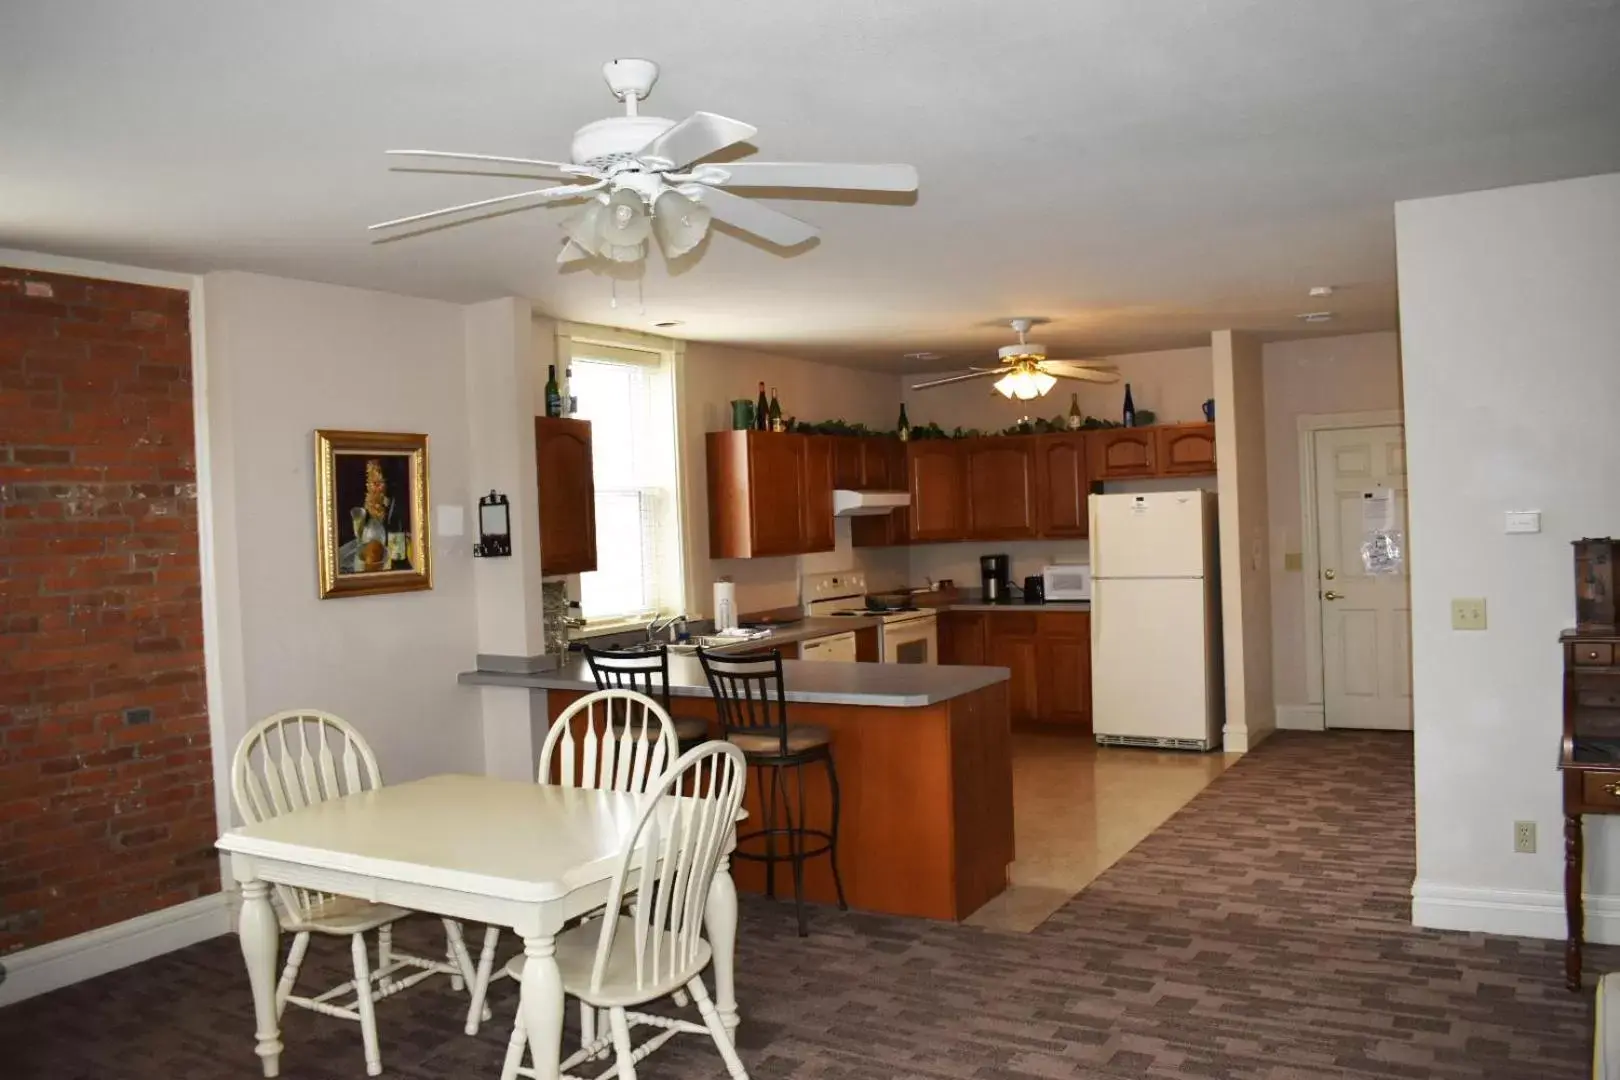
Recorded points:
(925,356)
(1316,316)
(667,324)
(1321,290)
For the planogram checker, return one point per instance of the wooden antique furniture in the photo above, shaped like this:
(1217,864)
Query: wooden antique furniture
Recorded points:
(506,853)
(1589,759)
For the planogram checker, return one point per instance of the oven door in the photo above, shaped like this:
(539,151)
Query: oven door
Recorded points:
(915,641)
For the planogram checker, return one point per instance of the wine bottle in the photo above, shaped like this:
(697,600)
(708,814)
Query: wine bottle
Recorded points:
(1076,417)
(776,412)
(905,425)
(553,395)
(762,411)
(1130,408)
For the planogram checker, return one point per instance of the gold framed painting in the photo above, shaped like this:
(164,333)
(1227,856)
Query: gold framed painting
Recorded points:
(371,513)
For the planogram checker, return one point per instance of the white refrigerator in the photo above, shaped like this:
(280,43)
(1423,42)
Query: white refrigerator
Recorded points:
(1156,620)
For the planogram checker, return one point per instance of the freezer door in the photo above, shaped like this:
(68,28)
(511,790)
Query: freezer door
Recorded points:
(1149,659)
(1158,534)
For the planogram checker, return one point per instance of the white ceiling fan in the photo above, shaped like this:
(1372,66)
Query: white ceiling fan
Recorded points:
(644,176)
(1025,372)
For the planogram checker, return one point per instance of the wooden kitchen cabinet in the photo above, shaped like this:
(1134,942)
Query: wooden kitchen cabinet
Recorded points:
(1122,453)
(883,468)
(1012,642)
(1047,652)
(1063,682)
(817,509)
(1062,486)
(1185,449)
(769,494)
(567,495)
(1001,487)
(849,463)
(935,470)
(961,638)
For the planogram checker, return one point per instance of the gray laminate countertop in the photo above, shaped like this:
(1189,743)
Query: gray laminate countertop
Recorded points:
(1019,605)
(896,686)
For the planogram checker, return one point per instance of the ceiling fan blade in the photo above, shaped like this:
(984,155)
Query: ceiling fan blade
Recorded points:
(558,167)
(564,191)
(750,216)
(696,137)
(954,379)
(1058,367)
(805,174)
(1087,375)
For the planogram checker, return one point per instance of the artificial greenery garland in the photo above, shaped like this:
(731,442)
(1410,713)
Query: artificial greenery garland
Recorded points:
(1036,426)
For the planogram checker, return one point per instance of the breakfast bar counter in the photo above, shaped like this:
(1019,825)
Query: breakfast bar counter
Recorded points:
(924,768)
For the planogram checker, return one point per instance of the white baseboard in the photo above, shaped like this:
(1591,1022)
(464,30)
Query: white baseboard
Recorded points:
(1511,912)
(1301,718)
(96,952)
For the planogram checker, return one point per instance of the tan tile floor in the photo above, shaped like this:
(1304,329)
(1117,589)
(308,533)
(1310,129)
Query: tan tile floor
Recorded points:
(1077,808)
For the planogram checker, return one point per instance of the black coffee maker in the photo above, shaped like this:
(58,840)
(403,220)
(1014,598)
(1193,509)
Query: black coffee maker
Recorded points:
(995,575)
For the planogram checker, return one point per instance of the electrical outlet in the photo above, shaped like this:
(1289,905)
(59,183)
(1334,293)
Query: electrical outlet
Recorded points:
(1468,613)
(1524,837)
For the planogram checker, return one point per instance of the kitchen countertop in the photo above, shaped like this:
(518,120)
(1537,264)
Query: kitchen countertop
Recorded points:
(898,686)
(1019,605)
(807,629)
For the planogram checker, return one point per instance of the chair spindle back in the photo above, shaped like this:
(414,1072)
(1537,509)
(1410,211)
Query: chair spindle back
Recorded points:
(750,697)
(610,740)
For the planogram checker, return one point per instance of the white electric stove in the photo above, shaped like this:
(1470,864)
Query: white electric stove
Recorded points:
(906,635)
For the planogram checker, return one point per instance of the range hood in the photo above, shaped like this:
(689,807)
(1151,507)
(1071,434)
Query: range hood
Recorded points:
(867,503)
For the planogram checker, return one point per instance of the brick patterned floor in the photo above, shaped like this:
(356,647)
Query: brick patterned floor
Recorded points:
(1262,934)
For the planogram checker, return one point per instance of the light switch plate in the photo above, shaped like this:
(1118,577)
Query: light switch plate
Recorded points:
(1523,521)
(452,521)
(1468,613)
(1293,560)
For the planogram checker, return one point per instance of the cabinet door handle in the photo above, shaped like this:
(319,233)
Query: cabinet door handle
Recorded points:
(1592,655)
(1613,789)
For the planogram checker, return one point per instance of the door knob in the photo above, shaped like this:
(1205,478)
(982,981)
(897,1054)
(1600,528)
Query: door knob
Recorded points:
(1331,595)
(1329,574)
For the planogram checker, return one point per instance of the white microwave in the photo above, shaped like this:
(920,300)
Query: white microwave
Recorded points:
(1069,581)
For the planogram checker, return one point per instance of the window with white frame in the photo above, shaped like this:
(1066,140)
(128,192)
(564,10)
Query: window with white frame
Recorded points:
(628,395)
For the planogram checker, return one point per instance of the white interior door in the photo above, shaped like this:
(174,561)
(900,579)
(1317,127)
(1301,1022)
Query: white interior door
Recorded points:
(1366,617)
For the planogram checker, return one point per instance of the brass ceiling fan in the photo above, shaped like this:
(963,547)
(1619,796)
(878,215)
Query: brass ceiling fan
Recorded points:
(1025,373)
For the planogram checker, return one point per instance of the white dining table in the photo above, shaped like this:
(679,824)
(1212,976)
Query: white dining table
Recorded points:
(502,852)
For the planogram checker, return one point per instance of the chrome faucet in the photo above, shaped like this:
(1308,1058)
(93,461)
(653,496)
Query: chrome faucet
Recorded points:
(653,629)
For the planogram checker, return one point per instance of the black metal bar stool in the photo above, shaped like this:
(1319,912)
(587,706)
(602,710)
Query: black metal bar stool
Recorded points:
(645,673)
(750,699)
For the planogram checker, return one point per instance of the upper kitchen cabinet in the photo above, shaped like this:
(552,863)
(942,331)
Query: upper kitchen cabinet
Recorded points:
(849,464)
(1062,484)
(883,468)
(567,495)
(936,470)
(769,494)
(1122,453)
(1001,488)
(1186,449)
(819,464)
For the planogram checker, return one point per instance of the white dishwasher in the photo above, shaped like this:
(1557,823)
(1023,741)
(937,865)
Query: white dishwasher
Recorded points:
(836,647)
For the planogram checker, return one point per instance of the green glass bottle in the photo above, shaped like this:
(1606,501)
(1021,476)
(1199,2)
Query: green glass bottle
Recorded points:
(762,411)
(776,412)
(553,394)
(905,425)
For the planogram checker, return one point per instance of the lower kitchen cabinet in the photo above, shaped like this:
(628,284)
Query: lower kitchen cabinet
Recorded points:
(1047,652)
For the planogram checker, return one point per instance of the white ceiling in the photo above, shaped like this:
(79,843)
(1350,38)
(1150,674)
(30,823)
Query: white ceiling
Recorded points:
(1141,171)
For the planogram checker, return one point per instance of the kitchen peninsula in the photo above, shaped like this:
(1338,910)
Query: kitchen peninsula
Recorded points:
(924,769)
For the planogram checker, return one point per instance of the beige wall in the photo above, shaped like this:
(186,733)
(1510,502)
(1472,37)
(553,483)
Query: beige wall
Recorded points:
(712,376)
(284,358)
(1354,373)
(1240,435)
(1508,331)
(1174,384)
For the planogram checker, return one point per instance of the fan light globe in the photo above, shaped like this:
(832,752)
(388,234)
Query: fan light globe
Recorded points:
(1025,383)
(624,222)
(585,227)
(679,223)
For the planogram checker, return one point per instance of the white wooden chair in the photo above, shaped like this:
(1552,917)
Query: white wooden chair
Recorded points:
(289,761)
(624,742)
(657,948)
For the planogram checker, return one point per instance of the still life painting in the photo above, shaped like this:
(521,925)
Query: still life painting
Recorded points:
(371,503)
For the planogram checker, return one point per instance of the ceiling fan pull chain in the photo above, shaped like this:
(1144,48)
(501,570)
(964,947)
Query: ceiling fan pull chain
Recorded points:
(613,286)
(641,295)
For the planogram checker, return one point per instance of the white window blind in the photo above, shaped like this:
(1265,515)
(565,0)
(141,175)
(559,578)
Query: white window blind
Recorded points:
(628,396)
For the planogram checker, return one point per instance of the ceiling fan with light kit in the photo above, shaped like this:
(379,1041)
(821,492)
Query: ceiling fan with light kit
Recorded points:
(647,176)
(1025,372)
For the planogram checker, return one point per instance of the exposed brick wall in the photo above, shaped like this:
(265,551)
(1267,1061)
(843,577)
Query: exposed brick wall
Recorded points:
(105,814)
